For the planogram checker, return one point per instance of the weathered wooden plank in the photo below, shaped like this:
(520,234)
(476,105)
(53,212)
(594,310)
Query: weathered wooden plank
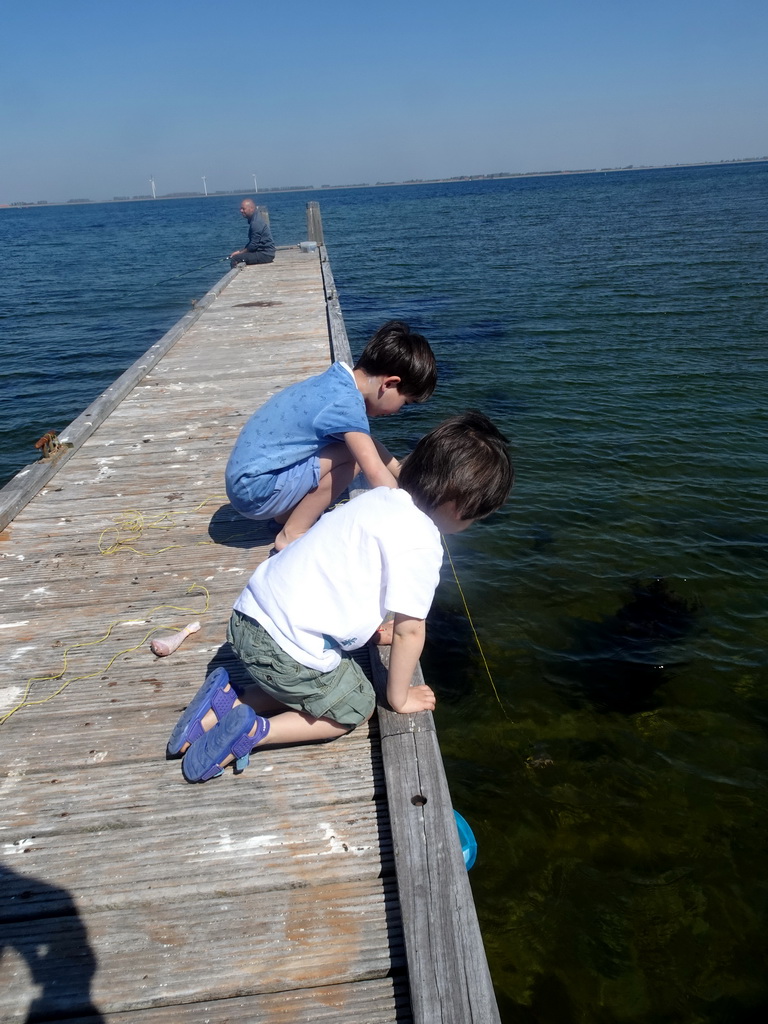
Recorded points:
(58,787)
(163,601)
(75,710)
(337,329)
(314,223)
(109,856)
(103,649)
(166,953)
(168,590)
(448,971)
(443,940)
(41,746)
(373,1001)
(185,523)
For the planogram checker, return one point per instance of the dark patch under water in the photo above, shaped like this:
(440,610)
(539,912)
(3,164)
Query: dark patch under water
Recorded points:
(619,662)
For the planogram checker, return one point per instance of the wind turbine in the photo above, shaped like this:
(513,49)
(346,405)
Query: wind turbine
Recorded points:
(255,186)
(205,186)
(152,183)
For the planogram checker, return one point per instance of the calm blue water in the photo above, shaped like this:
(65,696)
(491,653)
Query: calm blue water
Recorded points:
(615,327)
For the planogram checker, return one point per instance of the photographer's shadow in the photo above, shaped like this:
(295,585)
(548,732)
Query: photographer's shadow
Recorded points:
(41,923)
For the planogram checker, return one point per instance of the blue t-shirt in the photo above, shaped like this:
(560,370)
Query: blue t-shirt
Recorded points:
(294,425)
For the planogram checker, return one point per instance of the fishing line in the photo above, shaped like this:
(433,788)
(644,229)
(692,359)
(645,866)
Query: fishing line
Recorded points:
(194,270)
(474,631)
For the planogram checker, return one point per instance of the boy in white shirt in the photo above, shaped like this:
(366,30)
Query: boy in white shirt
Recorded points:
(326,593)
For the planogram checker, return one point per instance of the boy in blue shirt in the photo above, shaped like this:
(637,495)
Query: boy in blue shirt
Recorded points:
(302,611)
(306,444)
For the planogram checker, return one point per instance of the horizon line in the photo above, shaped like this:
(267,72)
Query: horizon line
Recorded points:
(274,189)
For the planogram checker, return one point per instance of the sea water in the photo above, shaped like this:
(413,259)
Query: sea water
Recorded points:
(603,709)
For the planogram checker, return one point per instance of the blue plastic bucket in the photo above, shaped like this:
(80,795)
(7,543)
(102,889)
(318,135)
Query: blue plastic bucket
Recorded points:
(468,841)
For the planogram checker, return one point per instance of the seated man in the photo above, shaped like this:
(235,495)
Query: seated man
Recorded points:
(260,247)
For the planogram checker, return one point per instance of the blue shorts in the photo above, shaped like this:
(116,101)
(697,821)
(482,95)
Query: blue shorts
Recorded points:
(274,494)
(344,695)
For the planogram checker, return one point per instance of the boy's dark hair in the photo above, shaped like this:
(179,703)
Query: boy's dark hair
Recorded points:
(465,460)
(397,351)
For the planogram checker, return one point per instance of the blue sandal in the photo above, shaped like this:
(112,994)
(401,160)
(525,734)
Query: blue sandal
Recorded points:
(211,695)
(229,736)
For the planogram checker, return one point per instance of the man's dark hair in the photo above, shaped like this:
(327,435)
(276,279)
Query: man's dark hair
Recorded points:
(397,351)
(465,460)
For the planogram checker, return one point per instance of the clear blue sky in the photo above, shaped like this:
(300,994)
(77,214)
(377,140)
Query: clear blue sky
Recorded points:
(97,95)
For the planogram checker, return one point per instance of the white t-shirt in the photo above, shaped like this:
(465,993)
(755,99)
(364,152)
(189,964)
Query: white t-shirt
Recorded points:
(375,554)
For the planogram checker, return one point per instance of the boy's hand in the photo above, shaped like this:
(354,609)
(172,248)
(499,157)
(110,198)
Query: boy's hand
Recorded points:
(420,698)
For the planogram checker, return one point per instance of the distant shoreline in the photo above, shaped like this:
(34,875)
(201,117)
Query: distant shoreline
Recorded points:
(277,190)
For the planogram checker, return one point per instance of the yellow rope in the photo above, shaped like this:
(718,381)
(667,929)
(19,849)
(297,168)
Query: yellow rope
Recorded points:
(25,702)
(474,631)
(134,523)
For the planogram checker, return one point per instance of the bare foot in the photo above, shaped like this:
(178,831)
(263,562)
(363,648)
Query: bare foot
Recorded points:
(384,633)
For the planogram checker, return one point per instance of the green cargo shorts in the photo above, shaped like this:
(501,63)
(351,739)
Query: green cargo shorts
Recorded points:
(344,695)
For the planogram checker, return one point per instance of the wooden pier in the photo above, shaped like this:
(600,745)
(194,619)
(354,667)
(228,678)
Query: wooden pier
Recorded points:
(324,883)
